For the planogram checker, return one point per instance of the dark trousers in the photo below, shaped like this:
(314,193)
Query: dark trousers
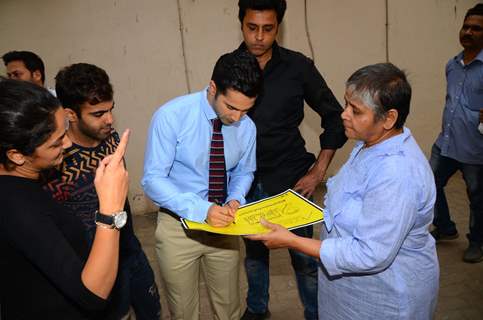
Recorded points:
(136,287)
(258,276)
(443,169)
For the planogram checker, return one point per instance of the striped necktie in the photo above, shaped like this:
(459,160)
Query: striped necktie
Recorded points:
(217,173)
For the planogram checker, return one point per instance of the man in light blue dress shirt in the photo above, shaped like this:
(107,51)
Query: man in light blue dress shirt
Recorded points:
(176,175)
(459,146)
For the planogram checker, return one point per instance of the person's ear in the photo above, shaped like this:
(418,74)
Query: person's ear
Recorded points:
(390,119)
(212,88)
(37,76)
(71,115)
(16,157)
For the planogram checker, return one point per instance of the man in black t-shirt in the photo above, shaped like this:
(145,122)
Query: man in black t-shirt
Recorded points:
(86,94)
(290,79)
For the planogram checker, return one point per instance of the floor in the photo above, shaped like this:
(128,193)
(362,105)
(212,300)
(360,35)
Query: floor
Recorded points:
(461,284)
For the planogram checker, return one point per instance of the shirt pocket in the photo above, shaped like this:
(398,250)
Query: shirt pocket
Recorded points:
(233,153)
(193,149)
(351,207)
(343,203)
(475,90)
(475,98)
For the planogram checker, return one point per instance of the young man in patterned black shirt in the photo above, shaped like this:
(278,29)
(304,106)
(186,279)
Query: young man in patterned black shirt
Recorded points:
(86,94)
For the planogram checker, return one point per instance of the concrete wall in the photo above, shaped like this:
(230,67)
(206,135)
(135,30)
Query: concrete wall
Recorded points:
(140,44)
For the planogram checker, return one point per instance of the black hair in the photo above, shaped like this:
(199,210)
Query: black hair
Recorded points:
(80,83)
(240,71)
(31,61)
(477,10)
(278,5)
(383,86)
(27,117)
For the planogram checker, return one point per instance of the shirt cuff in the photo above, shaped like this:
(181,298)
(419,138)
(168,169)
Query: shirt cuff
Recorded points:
(238,198)
(204,207)
(327,253)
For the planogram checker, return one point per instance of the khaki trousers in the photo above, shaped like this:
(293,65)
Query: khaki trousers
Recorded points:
(182,254)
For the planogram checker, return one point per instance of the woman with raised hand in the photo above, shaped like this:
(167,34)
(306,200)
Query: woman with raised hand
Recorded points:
(377,259)
(46,269)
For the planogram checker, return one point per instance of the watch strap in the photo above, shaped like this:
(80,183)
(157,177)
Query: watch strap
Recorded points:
(104,220)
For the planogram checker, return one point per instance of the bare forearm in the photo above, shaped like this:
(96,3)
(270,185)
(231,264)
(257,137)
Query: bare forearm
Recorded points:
(310,247)
(100,270)
(279,237)
(323,160)
(308,183)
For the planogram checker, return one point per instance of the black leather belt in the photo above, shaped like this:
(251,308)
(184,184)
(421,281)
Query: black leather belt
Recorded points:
(169,212)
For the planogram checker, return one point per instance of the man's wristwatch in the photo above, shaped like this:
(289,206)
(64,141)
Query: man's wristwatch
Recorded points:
(116,220)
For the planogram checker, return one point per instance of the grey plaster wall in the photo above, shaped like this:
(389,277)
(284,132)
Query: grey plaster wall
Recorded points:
(155,50)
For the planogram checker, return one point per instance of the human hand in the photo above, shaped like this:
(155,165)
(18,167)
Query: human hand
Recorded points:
(111,179)
(307,184)
(278,237)
(219,216)
(232,206)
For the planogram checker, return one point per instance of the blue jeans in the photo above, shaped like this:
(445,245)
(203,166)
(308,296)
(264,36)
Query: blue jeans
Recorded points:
(443,168)
(257,269)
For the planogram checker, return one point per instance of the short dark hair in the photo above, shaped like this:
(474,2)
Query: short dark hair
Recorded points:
(382,87)
(27,117)
(240,71)
(31,61)
(477,10)
(278,5)
(80,83)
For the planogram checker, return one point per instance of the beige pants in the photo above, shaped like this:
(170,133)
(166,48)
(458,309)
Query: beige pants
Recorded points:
(182,254)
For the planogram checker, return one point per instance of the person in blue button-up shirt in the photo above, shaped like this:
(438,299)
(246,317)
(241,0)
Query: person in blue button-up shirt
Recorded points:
(176,176)
(459,146)
(377,259)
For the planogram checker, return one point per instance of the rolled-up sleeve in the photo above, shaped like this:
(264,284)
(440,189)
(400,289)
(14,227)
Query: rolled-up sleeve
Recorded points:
(321,99)
(389,208)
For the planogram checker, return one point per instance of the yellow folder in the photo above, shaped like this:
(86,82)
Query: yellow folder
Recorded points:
(288,209)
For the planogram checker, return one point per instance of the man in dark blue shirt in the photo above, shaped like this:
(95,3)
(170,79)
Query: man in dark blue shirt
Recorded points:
(459,146)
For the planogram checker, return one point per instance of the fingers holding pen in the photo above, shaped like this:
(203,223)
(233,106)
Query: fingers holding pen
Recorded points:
(219,216)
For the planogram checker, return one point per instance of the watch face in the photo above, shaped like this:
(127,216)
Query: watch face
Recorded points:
(120,219)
